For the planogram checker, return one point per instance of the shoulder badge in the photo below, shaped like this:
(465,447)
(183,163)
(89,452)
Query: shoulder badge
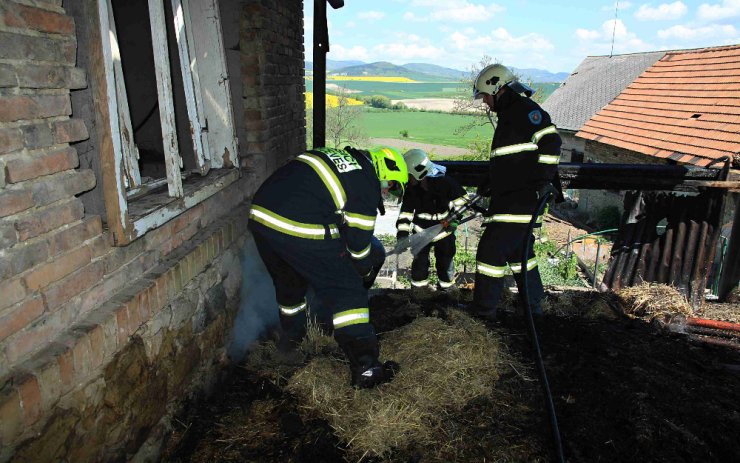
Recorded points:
(535,117)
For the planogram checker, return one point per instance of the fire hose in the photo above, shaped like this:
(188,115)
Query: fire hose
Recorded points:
(526,249)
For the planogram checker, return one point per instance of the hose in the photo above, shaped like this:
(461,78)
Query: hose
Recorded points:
(546,197)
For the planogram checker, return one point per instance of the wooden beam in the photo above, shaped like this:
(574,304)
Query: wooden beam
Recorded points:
(173,161)
(320,48)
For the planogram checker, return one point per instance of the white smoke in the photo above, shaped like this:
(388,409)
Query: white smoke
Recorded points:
(258,308)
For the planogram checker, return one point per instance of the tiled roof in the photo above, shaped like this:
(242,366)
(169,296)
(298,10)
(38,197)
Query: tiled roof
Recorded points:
(685,107)
(593,85)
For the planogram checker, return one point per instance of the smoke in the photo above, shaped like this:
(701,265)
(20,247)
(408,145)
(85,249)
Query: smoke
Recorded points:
(258,308)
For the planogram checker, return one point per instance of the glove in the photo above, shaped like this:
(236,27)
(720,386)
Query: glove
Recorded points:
(401,235)
(484,189)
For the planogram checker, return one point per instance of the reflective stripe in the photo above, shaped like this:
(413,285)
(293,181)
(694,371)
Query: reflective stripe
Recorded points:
(541,133)
(291,227)
(441,236)
(549,159)
(490,270)
(292,310)
(406,216)
(404,227)
(517,268)
(510,218)
(439,216)
(328,177)
(459,202)
(361,254)
(513,149)
(351,317)
(420,283)
(363,222)
(445,284)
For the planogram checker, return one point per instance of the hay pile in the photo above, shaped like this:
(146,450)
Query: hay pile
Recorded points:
(651,300)
(444,364)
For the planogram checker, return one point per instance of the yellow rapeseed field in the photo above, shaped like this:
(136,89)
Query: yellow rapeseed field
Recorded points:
(331,101)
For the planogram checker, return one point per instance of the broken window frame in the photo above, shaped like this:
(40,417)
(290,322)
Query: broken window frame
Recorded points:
(203,70)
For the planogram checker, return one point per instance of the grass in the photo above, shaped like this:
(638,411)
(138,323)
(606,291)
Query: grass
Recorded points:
(435,128)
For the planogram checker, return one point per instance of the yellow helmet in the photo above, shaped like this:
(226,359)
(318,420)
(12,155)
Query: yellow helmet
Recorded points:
(390,167)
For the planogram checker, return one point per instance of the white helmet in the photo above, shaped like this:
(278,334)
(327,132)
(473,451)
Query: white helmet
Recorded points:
(418,163)
(493,77)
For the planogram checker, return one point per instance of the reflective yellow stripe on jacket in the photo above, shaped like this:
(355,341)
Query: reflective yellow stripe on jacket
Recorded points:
(291,227)
(531,146)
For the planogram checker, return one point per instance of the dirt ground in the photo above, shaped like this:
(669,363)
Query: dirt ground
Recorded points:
(623,390)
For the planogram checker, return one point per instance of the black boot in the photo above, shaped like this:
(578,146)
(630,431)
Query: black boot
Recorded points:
(373,373)
(480,312)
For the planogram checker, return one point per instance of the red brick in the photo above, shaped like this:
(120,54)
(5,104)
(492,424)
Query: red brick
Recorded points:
(72,285)
(20,316)
(40,164)
(46,76)
(12,202)
(22,107)
(37,19)
(123,325)
(61,49)
(22,257)
(62,185)
(62,266)
(97,346)
(66,367)
(52,217)
(30,395)
(70,131)
(75,234)
(11,416)
(81,356)
(10,140)
(12,292)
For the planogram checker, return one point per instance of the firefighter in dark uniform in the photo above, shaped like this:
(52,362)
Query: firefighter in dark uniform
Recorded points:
(313,221)
(525,153)
(431,197)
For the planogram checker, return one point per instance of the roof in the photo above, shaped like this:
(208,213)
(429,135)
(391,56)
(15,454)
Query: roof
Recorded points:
(593,85)
(685,107)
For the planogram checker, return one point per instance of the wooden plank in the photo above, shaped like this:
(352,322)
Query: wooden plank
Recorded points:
(173,162)
(209,65)
(102,75)
(188,80)
(130,153)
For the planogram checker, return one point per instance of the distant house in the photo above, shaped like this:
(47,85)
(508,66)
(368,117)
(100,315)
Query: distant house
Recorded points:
(678,107)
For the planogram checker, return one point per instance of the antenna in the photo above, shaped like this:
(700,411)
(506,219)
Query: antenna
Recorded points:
(614,29)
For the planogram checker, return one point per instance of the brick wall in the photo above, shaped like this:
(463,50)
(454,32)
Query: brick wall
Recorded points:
(99,344)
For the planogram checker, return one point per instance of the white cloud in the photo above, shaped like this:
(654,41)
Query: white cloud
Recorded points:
(406,51)
(600,41)
(710,32)
(371,15)
(338,52)
(663,12)
(719,11)
(459,11)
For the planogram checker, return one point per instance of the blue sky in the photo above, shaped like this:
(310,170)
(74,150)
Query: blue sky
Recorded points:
(520,33)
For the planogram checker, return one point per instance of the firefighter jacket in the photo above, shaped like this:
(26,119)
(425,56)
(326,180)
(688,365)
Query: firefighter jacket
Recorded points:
(324,193)
(525,153)
(425,207)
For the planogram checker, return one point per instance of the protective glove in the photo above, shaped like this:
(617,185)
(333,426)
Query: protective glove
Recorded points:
(484,189)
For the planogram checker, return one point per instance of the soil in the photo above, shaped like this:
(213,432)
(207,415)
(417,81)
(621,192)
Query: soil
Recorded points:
(623,390)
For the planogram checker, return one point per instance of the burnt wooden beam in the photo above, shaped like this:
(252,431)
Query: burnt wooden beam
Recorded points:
(610,176)
(320,49)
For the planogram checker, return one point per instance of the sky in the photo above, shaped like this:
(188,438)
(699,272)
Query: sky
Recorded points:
(546,35)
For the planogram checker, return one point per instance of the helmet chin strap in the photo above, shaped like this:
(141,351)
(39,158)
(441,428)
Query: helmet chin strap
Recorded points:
(490,119)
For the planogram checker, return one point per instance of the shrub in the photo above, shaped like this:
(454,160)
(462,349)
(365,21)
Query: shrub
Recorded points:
(404,133)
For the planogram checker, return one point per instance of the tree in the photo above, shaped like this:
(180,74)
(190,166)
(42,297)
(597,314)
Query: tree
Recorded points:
(341,122)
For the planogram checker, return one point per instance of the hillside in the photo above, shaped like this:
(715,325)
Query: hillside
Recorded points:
(426,72)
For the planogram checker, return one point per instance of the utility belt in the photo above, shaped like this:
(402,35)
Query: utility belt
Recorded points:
(290,227)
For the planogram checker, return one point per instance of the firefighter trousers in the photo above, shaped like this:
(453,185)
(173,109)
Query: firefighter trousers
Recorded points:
(444,253)
(500,254)
(295,264)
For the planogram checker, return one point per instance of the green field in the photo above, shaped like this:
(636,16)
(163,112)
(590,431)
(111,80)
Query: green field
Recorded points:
(405,90)
(425,127)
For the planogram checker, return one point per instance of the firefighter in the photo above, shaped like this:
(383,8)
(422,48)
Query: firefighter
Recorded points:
(525,153)
(431,197)
(313,221)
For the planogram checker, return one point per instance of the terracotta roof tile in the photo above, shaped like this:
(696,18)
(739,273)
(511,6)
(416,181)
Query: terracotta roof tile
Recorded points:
(685,107)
